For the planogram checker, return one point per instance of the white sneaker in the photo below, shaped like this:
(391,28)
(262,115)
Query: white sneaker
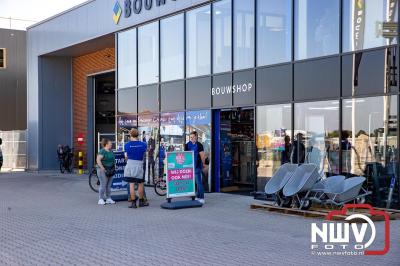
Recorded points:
(101,202)
(110,201)
(202,201)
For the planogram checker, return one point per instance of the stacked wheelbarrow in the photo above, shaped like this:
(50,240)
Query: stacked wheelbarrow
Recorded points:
(299,186)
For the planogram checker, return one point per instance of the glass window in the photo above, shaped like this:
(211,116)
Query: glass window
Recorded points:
(127,72)
(369,144)
(367,23)
(316,28)
(273,140)
(2,57)
(148,53)
(198,42)
(200,121)
(317,136)
(172,131)
(124,124)
(127,101)
(274,31)
(222,36)
(172,48)
(148,126)
(243,34)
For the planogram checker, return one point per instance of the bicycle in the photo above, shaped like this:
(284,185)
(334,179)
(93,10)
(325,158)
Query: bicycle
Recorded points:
(94,181)
(160,187)
(65,155)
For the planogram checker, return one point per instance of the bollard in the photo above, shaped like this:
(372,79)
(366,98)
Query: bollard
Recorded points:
(80,165)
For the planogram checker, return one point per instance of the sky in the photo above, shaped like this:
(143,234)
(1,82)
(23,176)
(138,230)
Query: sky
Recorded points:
(31,11)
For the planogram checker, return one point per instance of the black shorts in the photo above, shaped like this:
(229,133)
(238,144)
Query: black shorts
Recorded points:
(133,180)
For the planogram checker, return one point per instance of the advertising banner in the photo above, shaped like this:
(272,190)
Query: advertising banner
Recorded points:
(118,184)
(180,174)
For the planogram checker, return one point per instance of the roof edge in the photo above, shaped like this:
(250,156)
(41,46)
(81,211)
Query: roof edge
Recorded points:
(59,14)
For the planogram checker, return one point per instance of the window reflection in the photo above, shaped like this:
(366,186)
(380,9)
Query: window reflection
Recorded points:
(198,42)
(317,28)
(200,121)
(274,31)
(127,59)
(172,130)
(222,32)
(243,34)
(317,135)
(273,140)
(369,143)
(148,125)
(148,54)
(124,125)
(172,48)
(367,23)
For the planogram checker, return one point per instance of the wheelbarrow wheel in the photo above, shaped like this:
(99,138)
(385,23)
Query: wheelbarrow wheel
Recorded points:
(360,200)
(284,202)
(306,205)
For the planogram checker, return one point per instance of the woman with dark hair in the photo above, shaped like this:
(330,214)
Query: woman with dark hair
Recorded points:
(105,171)
(133,172)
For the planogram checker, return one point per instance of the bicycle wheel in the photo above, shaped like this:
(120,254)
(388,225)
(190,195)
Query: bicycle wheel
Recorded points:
(62,169)
(69,165)
(160,187)
(94,181)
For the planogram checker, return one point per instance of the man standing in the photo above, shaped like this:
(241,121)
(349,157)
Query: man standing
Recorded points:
(151,146)
(199,160)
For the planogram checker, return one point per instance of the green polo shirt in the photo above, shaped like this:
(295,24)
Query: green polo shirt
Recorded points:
(108,158)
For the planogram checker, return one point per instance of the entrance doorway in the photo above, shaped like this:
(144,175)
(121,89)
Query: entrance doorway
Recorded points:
(104,108)
(237,153)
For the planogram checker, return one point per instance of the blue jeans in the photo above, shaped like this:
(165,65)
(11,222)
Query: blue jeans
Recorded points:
(200,189)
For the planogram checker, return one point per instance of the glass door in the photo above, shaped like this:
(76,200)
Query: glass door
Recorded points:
(237,151)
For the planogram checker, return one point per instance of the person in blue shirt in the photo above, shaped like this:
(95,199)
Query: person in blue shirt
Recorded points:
(161,157)
(133,172)
(199,161)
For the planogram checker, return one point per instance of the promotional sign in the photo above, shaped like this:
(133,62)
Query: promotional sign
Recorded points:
(118,184)
(180,174)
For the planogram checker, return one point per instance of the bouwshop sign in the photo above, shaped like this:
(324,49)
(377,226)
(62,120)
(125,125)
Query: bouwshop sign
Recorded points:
(235,89)
(135,7)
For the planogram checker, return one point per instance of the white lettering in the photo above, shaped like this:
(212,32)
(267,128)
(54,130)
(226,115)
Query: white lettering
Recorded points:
(329,246)
(218,91)
(340,237)
(358,246)
(359,235)
(323,234)
(229,90)
(213,91)
(250,86)
(244,87)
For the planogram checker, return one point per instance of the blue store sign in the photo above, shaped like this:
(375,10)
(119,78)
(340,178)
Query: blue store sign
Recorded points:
(119,184)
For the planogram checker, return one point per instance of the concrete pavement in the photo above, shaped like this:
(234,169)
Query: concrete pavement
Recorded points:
(52,219)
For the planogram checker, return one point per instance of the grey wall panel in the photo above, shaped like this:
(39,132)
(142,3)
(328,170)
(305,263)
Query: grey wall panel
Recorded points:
(222,90)
(317,79)
(365,72)
(13,81)
(148,99)
(274,84)
(245,87)
(198,93)
(55,109)
(173,96)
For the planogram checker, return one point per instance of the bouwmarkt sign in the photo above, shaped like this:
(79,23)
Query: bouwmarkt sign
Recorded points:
(130,7)
(180,174)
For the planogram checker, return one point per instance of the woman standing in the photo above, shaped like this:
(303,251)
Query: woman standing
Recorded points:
(105,171)
(133,173)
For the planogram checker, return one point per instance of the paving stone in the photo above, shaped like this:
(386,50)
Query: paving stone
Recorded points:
(52,219)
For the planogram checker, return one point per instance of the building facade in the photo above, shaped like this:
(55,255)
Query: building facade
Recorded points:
(12,80)
(263,82)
